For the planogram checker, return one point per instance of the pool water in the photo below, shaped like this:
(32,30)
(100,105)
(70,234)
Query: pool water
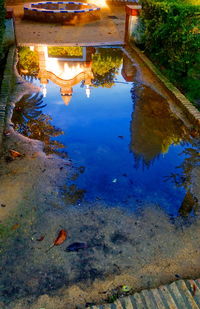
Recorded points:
(118,131)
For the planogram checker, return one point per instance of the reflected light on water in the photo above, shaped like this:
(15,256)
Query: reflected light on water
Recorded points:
(64,70)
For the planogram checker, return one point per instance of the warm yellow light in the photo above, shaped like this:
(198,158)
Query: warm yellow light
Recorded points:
(99,3)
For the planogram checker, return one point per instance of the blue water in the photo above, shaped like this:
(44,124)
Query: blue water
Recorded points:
(98,133)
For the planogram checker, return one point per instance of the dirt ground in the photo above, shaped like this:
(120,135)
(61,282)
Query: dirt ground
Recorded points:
(110,29)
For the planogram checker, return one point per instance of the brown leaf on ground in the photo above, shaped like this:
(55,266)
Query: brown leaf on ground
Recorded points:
(62,235)
(61,238)
(14,153)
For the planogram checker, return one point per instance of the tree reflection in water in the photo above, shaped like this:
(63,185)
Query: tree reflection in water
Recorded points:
(153,129)
(28,61)
(184,177)
(29,120)
(105,66)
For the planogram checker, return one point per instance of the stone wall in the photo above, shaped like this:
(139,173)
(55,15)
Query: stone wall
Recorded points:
(6,89)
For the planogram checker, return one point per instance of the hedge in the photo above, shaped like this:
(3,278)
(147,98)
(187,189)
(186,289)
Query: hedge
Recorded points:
(171,38)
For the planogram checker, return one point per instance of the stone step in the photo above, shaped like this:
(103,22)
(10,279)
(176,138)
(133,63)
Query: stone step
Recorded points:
(181,294)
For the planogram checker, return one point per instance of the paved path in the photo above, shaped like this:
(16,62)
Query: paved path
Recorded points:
(181,294)
(110,29)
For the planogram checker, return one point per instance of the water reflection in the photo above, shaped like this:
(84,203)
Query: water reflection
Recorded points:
(68,66)
(126,128)
(153,127)
(30,121)
(105,66)
(183,178)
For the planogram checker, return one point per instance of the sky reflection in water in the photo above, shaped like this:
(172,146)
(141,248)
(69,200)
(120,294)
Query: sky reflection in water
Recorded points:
(123,133)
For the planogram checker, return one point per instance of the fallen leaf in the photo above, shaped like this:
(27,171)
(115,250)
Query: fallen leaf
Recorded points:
(61,238)
(41,238)
(14,153)
(15,226)
(62,235)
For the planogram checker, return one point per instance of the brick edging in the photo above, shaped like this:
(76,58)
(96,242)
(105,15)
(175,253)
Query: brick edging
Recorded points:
(188,108)
(6,88)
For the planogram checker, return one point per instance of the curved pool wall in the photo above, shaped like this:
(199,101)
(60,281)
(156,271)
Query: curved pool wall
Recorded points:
(68,12)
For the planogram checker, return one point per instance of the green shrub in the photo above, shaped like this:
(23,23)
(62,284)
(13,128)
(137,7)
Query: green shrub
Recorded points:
(2,26)
(105,66)
(28,61)
(68,51)
(172,40)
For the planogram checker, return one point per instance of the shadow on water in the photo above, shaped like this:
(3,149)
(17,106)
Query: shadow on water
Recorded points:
(126,145)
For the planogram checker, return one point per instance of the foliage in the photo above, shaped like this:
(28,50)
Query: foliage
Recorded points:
(2,26)
(194,2)
(192,161)
(183,177)
(68,51)
(28,61)
(172,40)
(29,120)
(153,127)
(28,107)
(105,66)
(106,80)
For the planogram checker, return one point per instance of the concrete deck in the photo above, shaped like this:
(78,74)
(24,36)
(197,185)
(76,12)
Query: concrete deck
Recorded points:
(108,30)
(181,294)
